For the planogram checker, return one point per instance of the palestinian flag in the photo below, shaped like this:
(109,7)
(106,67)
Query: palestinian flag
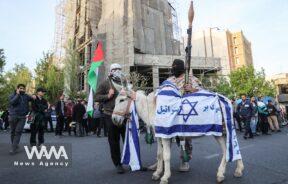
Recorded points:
(97,61)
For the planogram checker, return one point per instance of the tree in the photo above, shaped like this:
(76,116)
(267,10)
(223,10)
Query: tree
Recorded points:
(19,74)
(223,87)
(2,61)
(138,81)
(42,68)
(2,79)
(49,77)
(55,83)
(2,64)
(71,71)
(246,80)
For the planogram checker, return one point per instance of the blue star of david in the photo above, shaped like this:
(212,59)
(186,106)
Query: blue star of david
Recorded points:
(192,111)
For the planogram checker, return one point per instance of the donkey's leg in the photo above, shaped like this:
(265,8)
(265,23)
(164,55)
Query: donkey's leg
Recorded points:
(239,169)
(166,157)
(222,167)
(158,172)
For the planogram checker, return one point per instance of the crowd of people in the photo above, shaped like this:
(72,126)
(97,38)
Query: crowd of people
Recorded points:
(42,116)
(255,116)
(71,116)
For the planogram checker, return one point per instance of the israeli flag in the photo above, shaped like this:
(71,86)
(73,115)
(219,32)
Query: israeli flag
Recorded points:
(131,150)
(195,114)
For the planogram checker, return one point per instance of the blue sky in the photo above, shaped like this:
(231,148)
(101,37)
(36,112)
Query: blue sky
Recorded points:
(264,23)
(26,30)
(27,27)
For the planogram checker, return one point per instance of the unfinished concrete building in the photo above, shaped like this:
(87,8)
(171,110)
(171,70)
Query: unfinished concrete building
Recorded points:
(141,35)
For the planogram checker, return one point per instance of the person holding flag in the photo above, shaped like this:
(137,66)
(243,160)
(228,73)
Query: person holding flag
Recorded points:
(106,94)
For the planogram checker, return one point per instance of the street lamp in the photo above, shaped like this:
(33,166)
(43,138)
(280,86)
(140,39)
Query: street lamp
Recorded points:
(211,39)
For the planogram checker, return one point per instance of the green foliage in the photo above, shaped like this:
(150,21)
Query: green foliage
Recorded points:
(246,80)
(2,61)
(42,68)
(71,71)
(138,81)
(2,64)
(223,87)
(19,74)
(49,77)
(3,104)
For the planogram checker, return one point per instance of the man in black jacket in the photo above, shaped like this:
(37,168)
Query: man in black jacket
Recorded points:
(39,108)
(78,114)
(245,111)
(60,112)
(106,94)
(18,109)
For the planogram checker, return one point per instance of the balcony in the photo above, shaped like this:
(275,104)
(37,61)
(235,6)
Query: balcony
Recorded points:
(167,60)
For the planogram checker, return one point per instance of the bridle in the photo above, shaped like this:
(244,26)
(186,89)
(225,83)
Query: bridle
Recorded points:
(126,114)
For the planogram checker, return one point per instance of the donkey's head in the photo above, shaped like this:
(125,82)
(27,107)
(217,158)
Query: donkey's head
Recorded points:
(123,102)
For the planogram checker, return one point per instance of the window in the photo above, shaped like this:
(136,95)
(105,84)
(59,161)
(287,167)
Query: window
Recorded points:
(81,80)
(82,40)
(77,23)
(237,61)
(82,58)
(234,40)
(89,53)
(236,50)
(78,5)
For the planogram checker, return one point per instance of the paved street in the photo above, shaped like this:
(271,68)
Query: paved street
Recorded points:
(265,160)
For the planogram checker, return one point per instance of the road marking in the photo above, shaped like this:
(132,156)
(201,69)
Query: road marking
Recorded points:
(212,156)
(218,154)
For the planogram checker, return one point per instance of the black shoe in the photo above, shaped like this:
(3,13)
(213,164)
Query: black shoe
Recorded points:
(120,169)
(251,137)
(272,130)
(278,130)
(245,137)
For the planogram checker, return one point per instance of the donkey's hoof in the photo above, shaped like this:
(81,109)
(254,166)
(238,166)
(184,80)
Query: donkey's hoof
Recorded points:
(220,179)
(155,177)
(164,182)
(238,174)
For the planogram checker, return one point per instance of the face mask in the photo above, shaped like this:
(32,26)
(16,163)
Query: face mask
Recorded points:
(116,73)
(22,92)
(176,72)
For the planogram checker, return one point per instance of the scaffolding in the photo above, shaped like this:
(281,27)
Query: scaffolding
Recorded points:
(59,36)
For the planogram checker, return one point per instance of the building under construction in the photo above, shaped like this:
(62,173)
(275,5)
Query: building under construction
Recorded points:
(141,35)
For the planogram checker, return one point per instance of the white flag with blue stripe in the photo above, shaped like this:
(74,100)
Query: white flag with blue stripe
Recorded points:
(195,114)
(131,149)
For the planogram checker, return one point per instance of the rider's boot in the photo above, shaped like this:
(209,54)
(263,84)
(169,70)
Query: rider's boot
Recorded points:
(184,167)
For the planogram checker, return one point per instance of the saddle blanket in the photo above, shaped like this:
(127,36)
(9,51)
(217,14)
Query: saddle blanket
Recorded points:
(195,114)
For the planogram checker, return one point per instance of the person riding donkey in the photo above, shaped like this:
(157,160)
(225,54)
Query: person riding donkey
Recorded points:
(178,79)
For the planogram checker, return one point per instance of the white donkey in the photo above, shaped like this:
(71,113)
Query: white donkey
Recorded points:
(146,107)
